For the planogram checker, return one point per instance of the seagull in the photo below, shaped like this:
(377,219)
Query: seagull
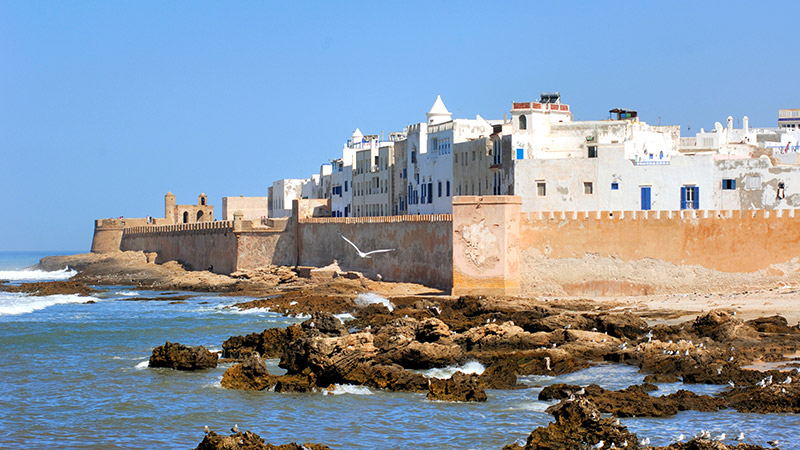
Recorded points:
(547,362)
(235,428)
(720,438)
(367,254)
(644,442)
(787,380)
(741,436)
(599,445)
(206,430)
(680,438)
(731,383)
(774,442)
(649,335)
(582,391)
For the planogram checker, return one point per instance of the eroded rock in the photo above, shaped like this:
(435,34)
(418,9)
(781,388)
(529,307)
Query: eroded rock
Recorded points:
(182,357)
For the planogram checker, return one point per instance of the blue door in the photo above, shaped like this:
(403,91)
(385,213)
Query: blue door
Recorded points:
(645,198)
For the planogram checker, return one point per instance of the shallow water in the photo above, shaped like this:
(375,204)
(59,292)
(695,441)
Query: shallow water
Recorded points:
(75,376)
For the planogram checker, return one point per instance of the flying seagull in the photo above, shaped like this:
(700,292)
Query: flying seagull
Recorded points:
(367,254)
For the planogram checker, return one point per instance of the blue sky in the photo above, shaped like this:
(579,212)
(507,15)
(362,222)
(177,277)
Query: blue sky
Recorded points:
(106,106)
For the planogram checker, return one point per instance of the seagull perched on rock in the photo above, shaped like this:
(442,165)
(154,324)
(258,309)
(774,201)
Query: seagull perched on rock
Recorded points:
(774,442)
(366,254)
(599,445)
(206,430)
(740,437)
(235,428)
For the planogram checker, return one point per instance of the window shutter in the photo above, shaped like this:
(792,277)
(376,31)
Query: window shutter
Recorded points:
(696,197)
(683,197)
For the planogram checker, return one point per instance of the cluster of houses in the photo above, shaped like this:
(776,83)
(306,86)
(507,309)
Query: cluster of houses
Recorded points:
(554,163)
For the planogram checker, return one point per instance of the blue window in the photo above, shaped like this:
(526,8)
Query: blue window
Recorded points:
(614,186)
(728,184)
(345,186)
(520,153)
(645,198)
(690,197)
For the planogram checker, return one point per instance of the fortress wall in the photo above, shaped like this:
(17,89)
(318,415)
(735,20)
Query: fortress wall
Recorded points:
(107,235)
(423,246)
(256,249)
(727,241)
(200,245)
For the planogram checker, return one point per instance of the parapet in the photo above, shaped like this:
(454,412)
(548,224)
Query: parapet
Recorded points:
(653,216)
(381,219)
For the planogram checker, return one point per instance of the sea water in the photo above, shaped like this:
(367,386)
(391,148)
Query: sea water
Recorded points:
(75,375)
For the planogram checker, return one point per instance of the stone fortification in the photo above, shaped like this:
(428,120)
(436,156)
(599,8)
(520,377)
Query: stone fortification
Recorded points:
(487,246)
(422,246)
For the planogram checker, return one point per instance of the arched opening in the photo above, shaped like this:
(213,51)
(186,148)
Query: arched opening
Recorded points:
(199,216)
(523,123)
(186,217)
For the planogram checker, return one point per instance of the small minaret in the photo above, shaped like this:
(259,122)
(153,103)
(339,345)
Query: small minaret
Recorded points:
(169,207)
(202,199)
(439,113)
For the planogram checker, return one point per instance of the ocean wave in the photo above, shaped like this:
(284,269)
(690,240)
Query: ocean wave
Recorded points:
(143,365)
(370,298)
(470,367)
(36,275)
(340,389)
(128,293)
(15,304)
(344,317)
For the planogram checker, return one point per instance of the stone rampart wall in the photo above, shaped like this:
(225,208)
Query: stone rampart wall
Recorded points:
(423,246)
(199,245)
(728,241)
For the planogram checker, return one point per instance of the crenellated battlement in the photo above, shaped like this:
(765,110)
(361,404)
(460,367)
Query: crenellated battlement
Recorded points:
(687,214)
(222,226)
(380,219)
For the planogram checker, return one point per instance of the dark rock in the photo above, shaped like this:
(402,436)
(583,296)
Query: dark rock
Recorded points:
(661,378)
(182,357)
(251,375)
(426,355)
(722,326)
(773,324)
(500,374)
(635,401)
(775,397)
(578,424)
(40,288)
(386,376)
(249,441)
(325,323)
(458,388)
(270,343)
(621,325)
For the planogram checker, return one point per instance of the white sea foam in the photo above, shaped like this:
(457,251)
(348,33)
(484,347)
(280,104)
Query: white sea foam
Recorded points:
(344,317)
(128,293)
(15,304)
(34,274)
(370,298)
(143,365)
(339,389)
(469,367)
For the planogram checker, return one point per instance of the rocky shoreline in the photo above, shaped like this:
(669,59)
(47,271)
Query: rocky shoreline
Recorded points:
(392,337)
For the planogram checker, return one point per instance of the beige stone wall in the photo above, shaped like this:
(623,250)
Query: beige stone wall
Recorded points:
(422,246)
(486,245)
(107,235)
(727,241)
(199,245)
(253,208)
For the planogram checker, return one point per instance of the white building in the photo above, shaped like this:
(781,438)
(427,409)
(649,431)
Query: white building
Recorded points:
(281,195)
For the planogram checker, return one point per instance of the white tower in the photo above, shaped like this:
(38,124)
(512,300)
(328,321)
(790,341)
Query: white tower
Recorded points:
(439,113)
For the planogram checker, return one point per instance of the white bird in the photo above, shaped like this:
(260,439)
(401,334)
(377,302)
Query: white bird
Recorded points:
(721,437)
(644,442)
(680,438)
(787,380)
(206,430)
(624,444)
(599,445)
(547,362)
(731,383)
(649,335)
(582,391)
(774,442)
(740,437)
(366,254)
(235,428)
(567,326)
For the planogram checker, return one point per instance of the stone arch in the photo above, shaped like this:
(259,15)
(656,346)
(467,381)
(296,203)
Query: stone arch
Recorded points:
(523,123)
(200,216)
(186,217)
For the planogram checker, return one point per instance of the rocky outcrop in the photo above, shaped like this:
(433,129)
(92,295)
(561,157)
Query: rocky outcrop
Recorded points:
(723,326)
(769,395)
(460,387)
(249,441)
(41,288)
(270,343)
(182,357)
(578,424)
(503,336)
(634,401)
(624,325)
(251,375)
